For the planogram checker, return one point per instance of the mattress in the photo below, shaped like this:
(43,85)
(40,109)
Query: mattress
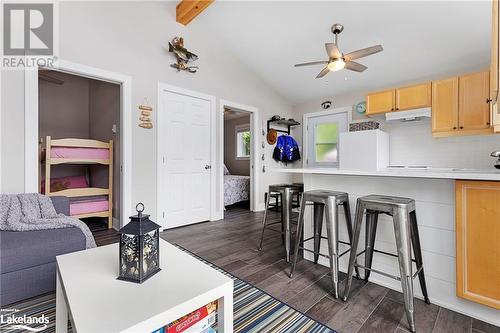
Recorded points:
(236,189)
(88,205)
(79,153)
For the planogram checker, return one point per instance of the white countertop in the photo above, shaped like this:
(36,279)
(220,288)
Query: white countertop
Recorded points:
(437,173)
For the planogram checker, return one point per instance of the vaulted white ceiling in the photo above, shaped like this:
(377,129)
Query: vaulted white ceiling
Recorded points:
(421,40)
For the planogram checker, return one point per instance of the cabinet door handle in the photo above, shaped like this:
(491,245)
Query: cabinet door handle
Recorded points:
(454,127)
(461,127)
(489,100)
(488,123)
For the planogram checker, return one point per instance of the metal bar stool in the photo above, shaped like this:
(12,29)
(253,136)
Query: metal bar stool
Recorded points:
(286,192)
(404,218)
(330,200)
(276,206)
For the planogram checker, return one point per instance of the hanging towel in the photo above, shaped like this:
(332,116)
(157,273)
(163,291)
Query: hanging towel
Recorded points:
(286,150)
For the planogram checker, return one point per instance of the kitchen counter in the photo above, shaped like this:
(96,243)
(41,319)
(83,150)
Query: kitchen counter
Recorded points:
(433,190)
(432,173)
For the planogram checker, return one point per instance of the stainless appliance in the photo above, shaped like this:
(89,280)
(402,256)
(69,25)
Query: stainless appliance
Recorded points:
(497,155)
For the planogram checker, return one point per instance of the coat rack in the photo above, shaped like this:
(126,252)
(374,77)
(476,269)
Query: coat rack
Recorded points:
(289,123)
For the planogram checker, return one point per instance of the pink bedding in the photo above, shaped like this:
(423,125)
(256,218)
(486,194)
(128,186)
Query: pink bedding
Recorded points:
(63,183)
(83,153)
(91,205)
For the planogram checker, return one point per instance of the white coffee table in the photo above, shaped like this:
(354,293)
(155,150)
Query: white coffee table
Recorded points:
(87,288)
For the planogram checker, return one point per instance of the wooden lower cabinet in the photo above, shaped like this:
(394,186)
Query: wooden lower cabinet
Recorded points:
(478,241)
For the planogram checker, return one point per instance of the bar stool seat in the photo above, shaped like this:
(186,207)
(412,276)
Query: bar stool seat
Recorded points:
(387,204)
(405,225)
(286,192)
(329,200)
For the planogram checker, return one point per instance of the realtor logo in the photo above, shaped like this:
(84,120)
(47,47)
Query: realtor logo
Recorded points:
(28,29)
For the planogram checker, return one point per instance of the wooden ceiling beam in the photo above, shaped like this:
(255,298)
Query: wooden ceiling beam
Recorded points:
(187,10)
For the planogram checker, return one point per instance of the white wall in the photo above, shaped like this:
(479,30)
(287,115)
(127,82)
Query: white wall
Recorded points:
(12,132)
(64,109)
(411,143)
(131,38)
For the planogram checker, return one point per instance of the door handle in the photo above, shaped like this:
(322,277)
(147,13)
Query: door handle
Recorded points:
(208,167)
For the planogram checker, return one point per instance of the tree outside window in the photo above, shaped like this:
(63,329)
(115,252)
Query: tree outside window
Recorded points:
(243,142)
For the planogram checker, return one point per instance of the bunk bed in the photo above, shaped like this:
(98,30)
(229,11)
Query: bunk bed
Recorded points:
(85,200)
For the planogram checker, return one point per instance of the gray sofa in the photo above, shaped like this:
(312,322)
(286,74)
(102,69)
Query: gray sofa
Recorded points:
(28,258)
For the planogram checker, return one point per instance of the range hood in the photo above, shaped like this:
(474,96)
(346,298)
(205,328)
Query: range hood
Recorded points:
(409,115)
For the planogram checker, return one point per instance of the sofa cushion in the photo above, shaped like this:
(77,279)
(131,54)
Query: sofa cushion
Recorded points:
(26,283)
(24,249)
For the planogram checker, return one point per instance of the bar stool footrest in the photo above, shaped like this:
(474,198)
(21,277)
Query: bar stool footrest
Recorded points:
(382,252)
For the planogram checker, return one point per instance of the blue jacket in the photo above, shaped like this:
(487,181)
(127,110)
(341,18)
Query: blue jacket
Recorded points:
(286,150)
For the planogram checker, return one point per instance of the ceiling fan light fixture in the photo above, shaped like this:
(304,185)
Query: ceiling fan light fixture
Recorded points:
(337,60)
(336,65)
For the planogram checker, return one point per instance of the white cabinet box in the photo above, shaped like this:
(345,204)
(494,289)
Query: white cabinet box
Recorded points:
(364,150)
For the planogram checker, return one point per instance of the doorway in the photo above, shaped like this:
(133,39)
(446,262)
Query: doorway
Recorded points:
(84,113)
(31,130)
(185,156)
(321,136)
(239,160)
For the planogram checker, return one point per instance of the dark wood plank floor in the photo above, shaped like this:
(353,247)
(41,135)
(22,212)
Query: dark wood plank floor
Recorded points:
(232,244)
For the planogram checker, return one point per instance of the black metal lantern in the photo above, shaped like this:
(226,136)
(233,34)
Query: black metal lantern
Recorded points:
(139,248)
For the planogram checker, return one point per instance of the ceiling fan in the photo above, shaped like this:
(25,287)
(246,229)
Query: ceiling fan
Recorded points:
(337,61)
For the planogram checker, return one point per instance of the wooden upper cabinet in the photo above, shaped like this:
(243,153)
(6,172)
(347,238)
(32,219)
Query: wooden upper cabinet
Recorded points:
(413,97)
(478,239)
(445,105)
(473,108)
(380,102)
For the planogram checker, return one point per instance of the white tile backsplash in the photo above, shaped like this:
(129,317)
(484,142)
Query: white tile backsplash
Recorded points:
(411,143)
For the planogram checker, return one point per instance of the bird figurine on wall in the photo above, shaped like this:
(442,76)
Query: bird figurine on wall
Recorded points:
(183,55)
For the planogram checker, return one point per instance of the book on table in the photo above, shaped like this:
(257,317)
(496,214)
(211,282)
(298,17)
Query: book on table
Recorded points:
(198,321)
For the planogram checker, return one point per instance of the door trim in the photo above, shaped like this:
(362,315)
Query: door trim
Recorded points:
(31,127)
(308,116)
(213,161)
(254,159)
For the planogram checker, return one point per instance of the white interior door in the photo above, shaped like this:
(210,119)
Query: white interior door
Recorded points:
(323,139)
(184,142)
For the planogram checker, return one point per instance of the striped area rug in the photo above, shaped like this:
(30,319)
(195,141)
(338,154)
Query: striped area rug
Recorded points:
(255,311)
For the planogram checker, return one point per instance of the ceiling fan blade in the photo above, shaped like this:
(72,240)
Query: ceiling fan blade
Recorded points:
(363,52)
(323,72)
(312,63)
(354,66)
(333,51)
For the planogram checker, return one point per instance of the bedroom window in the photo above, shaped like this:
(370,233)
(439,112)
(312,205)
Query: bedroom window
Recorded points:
(242,142)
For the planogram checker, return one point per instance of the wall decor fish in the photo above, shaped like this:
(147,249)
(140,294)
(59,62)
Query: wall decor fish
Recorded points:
(183,55)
